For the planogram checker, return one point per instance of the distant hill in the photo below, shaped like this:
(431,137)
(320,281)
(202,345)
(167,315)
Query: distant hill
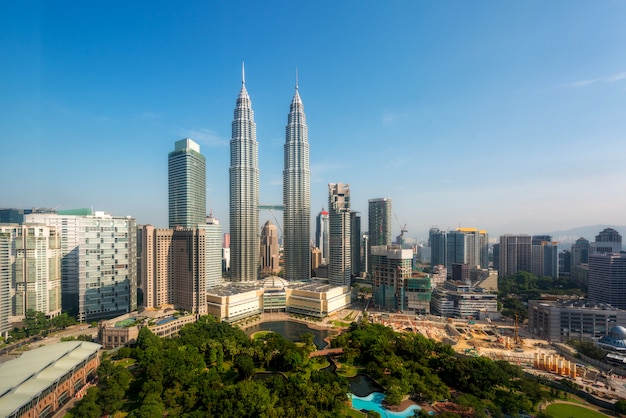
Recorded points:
(568,237)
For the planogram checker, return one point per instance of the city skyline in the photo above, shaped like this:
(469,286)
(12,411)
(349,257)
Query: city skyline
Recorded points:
(504,117)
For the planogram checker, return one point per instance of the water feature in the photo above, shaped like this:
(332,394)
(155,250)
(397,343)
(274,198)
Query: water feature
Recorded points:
(292,331)
(374,402)
(362,385)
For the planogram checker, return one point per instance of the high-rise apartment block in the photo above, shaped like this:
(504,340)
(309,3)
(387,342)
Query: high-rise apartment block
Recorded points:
(244,192)
(5,282)
(379,221)
(98,266)
(174,267)
(340,263)
(297,195)
(607,279)
(186,185)
(355,243)
(270,250)
(35,269)
(544,256)
(321,234)
(515,254)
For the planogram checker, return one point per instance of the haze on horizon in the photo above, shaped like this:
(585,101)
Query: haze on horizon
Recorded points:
(505,116)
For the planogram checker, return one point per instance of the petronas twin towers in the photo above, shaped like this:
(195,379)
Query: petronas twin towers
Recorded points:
(244,193)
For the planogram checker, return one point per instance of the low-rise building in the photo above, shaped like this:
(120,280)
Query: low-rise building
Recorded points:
(124,329)
(461,300)
(567,319)
(317,298)
(40,381)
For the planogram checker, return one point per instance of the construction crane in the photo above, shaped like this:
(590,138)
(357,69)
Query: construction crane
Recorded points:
(403,229)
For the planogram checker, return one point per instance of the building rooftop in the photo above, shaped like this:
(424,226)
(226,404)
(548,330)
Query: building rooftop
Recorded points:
(34,371)
(230,289)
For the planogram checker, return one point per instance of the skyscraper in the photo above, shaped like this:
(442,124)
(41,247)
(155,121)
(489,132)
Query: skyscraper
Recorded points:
(186,169)
(607,279)
(213,251)
(244,192)
(515,254)
(321,234)
(340,264)
(607,241)
(270,251)
(297,195)
(379,222)
(5,282)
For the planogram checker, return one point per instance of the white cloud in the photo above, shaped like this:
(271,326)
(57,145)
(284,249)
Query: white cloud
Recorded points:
(606,79)
(203,136)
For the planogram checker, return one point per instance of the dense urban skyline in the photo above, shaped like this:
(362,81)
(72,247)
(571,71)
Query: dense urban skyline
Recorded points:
(503,116)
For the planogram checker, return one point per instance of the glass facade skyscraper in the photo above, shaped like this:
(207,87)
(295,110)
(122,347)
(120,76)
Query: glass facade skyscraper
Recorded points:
(244,192)
(297,195)
(340,262)
(186,185)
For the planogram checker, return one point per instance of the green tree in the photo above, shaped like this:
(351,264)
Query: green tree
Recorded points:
(88,406)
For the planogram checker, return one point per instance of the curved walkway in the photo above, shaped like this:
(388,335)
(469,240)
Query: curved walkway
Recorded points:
(326,352)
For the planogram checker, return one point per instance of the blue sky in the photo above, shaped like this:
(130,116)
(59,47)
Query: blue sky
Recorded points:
(506,116)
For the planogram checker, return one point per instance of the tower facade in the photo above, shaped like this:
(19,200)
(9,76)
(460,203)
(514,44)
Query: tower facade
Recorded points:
(297,195)
(321,234)
(186,169)
(607,279)
(269,249)
(515,254)
(213,251)
(339,264)
(379,221)
(244,192)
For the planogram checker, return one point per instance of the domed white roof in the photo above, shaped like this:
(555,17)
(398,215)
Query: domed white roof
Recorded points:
(618,332)
(275,282)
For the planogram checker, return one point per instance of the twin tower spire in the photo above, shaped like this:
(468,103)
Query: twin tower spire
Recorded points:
(244,192)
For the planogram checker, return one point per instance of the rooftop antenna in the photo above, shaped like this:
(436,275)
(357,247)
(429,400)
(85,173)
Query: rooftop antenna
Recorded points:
(296,78)
(243,73)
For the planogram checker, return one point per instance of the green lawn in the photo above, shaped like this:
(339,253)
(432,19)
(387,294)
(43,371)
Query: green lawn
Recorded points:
(562,410)
(260,334)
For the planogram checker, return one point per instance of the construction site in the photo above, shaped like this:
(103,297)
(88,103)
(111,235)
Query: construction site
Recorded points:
(508,341)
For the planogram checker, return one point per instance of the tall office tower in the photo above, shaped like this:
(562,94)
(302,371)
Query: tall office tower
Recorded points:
(244,192)
(607,241)
(355,242)
(438,249)
(379,221)
(496,256)
(515,254)
(365,252)
(213,251)
(157,269)
(321,234)
(186,169)
(99,264)
(467,246)
(565,263)
(580,253)
(544,256)
(35,268)
(270,250)
(340,263)
(5,283)
(297,195)
(189,246)
(607,279)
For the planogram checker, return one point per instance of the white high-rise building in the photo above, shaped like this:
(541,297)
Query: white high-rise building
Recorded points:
(244,192)
(297,195)
(213,251)
(5,283)
(321,234)
(99,264)
(340,263)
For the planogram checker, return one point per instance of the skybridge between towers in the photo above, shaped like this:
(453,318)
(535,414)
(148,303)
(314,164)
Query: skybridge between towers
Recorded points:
(272,208)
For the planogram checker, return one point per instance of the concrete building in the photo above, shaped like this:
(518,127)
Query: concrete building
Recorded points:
(124,329)
(40,381)
(321,234)
(463,245)
(340,252)
(572,319)
(607,279)
(244,192)
(270,250)
(544,256)
(355,243)
(5,283)
(607,241)
(461,300)
(297,195)
(232,303)
(213,251)
(189,248)
(34,269)
(157,266)
(395,287)
(317,298)
(515,254)
(186,169)
(99,262)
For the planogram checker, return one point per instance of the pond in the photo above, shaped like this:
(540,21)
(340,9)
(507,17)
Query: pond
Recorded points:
(374,402)
(292,330)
